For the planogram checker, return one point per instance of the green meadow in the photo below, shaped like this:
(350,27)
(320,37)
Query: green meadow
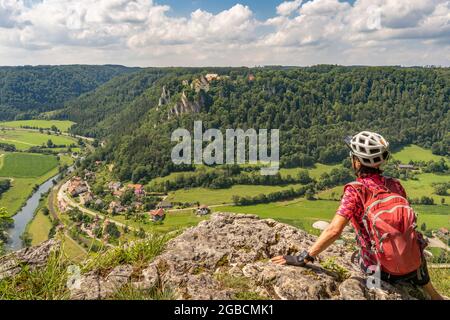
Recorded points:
(26,165)
(223,196)
(173,221)
(302,213)
(64,126)
(23,140)
(25,176)
(39,228)
(414,153)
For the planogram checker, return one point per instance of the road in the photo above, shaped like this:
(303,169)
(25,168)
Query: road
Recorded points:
(62,194)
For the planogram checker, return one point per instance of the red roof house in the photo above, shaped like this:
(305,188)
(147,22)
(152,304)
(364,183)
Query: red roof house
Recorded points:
(158,214)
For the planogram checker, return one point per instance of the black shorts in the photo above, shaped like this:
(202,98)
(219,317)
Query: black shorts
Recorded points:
(420,277)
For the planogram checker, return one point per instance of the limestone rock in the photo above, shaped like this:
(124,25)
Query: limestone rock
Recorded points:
(93,287)
(228,256)
(34,257)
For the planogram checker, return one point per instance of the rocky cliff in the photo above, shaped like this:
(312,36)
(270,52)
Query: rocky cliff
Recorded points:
(227,257)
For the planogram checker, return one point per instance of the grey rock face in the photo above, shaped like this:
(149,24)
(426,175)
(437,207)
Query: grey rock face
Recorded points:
(228,257)
(34,257)
(94,287)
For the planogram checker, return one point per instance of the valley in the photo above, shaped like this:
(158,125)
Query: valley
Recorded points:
(125,188)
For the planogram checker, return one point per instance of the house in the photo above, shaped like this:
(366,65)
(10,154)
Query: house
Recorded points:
(158,215)
(203,211)
(89,175)
(77,186)
(212,76)
(251,77)
(98,162)
(86,198)
(115,207)
(63,206)
(138,189)
(114,186)
(164,205)
(406,167)
(444,231)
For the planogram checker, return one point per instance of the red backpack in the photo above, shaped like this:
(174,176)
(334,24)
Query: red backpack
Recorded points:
(391,224)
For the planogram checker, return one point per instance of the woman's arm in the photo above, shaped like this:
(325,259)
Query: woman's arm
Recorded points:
(328,236)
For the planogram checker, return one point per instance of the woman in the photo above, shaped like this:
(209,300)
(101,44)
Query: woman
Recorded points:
(368,151)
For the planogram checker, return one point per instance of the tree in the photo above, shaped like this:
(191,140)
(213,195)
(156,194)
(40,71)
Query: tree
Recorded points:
(5,223)
(112,230)
(45,211)
(50,144)
(423,227)
(440,189)
(309,194)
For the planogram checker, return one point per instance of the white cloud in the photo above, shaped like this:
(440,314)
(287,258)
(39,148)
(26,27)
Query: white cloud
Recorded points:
(288,7)
(141,32)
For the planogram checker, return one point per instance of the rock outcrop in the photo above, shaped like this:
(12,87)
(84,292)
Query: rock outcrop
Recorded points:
(34,257)
(228,257)
(185,106)
(165,97)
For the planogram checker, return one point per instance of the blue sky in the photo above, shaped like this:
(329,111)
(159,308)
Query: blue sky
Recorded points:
(263,9)
(225,32)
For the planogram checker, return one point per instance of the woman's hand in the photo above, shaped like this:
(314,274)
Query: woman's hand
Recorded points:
(279,260)
(298,261)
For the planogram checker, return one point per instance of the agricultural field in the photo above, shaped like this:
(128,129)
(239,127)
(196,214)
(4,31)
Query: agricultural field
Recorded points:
(223,196)
(26,165)
(23,140)
(22,186)
(64,126)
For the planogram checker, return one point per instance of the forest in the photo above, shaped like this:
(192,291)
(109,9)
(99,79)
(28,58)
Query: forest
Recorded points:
(27,91)
(313,107)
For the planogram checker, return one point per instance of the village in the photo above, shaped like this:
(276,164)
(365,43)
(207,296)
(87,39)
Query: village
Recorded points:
(95,215)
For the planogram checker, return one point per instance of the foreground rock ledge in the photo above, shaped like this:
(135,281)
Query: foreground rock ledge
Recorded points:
(227,257)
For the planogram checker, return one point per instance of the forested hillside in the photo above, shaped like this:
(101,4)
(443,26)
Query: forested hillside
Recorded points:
(313,107)
(27,91)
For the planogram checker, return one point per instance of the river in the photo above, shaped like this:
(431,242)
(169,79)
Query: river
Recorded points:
(25,215)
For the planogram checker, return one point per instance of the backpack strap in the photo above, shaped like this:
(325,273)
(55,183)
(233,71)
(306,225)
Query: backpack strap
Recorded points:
(363,193)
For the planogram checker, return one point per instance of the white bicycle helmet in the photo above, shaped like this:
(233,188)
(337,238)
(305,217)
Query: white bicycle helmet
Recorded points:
(370,148)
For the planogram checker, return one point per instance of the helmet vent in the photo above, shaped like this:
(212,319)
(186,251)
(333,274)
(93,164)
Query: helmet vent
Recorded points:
(361,140)
(377,159)
(374,151)
(361,149)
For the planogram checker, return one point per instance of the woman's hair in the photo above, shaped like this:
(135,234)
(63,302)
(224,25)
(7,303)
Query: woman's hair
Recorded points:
(365,171)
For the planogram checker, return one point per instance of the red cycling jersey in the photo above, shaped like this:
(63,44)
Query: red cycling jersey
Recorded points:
(352,209)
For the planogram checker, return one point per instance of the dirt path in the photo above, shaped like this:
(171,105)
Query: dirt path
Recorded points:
(437,243)
(17,141)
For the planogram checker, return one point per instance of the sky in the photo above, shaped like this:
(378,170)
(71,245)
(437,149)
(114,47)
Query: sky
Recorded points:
(225,33)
